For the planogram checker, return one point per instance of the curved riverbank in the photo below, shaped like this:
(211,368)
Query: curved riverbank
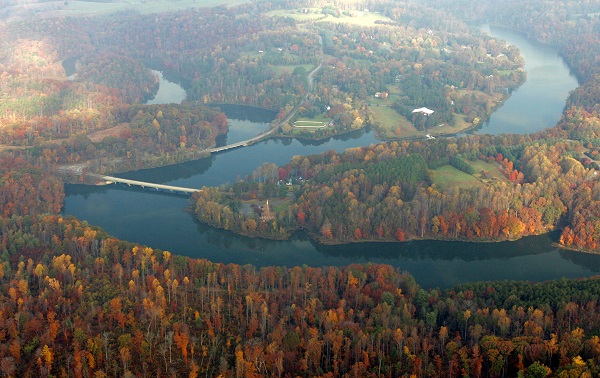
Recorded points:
(159,220)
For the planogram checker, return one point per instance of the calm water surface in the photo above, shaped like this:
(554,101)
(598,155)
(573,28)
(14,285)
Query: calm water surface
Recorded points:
(539,102)
(160,220)
(168,92)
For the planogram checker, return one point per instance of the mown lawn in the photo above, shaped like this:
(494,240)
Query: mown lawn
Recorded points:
(290,68)
(315,14)
(366,19)
(492,170)
(309,125)
(76,7)
(447,177)
(392,124)
(360,18)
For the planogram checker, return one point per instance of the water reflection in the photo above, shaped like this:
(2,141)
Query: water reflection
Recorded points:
(588,260)
(171,173)
(432,263)
(444,250)
(69,65)
(168,92)
(161,221)
(539,102)
(356,134)
(246,113)
(88,190)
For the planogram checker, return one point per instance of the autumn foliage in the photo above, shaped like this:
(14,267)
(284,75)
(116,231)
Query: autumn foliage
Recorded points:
(79,303)
(76,302)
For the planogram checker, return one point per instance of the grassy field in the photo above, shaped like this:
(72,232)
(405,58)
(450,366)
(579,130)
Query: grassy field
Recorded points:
(459,125)
(366,19)
(447,177)
(250,54)
(115,131)
(80,8)
(280,205)
(277,204)
(392,124)
(297,15)
(393,94)
(309,124)
(279,69)
(290,68)
(361,18)
(492,170)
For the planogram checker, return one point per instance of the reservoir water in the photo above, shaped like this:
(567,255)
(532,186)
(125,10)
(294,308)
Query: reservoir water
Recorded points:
(161,221)
(168,92)
(538,103)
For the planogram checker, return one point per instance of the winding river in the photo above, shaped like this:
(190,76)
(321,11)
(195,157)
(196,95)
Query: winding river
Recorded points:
(538,104)
(160,220)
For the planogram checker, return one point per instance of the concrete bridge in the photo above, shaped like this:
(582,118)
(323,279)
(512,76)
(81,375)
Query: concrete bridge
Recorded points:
(177,189)
(272,131)
(142,184)
(244,143)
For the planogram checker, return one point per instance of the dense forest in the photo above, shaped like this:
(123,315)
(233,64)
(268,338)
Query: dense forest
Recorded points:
(79,303)
(261,60)
(547,180)
(389,191)
(75,302)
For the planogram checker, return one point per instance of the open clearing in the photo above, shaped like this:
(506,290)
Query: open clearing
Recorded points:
(87,8)
(447,177)
(392,125)
(360,19)
(315,14)
(279,70)
(492,170)
(310,124)
(115,131)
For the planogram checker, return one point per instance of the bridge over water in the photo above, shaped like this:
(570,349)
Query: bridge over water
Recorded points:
(244,143)
(142,184)
(177,189)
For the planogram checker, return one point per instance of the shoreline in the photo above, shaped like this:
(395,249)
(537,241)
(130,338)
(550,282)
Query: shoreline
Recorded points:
(578,250)
(336,242)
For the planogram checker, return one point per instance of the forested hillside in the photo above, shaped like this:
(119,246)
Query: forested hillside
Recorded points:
(523,185)
(79,303)
(243,55)
(76,302)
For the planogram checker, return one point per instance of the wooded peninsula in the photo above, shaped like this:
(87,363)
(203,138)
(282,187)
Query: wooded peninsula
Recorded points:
(77,302)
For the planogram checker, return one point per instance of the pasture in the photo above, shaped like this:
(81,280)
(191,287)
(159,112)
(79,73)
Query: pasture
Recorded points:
(447,178)
(91,8)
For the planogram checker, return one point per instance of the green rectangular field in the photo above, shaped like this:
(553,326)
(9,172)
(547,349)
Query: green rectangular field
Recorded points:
(317,119)
(297,15)
(492,169)
(447,177)
(290,68)
(361,19)
(77,7)
(393,124)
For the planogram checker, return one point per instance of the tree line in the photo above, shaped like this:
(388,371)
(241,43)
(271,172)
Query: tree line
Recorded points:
(80,303)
